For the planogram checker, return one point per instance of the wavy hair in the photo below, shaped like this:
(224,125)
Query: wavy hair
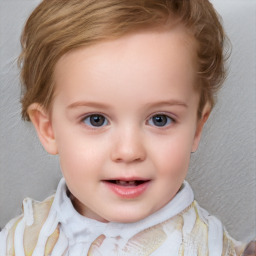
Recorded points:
(56,27)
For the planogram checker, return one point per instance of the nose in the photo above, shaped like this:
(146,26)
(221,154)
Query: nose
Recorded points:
(128,146)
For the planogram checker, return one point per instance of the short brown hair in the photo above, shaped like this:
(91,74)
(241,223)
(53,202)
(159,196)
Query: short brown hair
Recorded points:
(57,26)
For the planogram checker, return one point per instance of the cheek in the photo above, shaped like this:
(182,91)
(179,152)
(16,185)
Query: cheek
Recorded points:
(78,165)
(79,154)
(173,156)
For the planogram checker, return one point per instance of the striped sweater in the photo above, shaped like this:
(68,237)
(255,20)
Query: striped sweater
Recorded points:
(53,227)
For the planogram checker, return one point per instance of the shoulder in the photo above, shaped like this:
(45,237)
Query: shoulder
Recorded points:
(218,239)
(23,232)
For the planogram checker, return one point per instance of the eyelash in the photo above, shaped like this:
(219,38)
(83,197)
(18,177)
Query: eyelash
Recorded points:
(166,120)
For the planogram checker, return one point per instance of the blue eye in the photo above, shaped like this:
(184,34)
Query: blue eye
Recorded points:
(160,120)
(95,120)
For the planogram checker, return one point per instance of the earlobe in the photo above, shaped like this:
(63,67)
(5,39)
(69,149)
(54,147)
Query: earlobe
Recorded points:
(43,125)
(205,114)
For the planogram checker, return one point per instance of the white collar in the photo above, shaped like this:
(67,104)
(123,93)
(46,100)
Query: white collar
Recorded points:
(80,228)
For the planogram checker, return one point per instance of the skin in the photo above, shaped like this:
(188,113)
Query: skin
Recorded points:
(131,82)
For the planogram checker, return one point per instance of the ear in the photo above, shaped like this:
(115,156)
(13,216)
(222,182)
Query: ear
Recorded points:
(43,125)
(200,124)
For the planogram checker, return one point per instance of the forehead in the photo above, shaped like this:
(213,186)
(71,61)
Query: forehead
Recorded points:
(151,57)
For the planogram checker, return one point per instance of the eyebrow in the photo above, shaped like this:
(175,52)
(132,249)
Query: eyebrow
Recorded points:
(168,103)
(105,106)
(87,104)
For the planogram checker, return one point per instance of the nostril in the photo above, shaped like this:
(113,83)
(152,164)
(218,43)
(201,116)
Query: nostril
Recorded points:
(128,148)
(128,159)
(127,156)
(118,160)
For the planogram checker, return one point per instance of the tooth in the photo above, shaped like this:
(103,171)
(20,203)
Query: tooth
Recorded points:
(126,183)
(121,182)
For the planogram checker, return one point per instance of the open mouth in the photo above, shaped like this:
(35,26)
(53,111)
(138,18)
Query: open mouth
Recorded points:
(130,183)
(128,188)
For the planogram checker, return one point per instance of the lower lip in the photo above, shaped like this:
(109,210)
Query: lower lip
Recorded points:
(128,192)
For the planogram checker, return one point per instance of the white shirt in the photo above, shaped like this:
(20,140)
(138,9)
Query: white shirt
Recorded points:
(180,226)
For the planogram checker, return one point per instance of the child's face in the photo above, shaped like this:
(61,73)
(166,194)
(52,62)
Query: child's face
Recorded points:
(124,123)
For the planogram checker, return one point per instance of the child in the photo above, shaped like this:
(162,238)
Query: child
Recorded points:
(120,90)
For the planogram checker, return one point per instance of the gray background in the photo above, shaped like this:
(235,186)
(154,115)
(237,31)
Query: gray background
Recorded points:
(222,171)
